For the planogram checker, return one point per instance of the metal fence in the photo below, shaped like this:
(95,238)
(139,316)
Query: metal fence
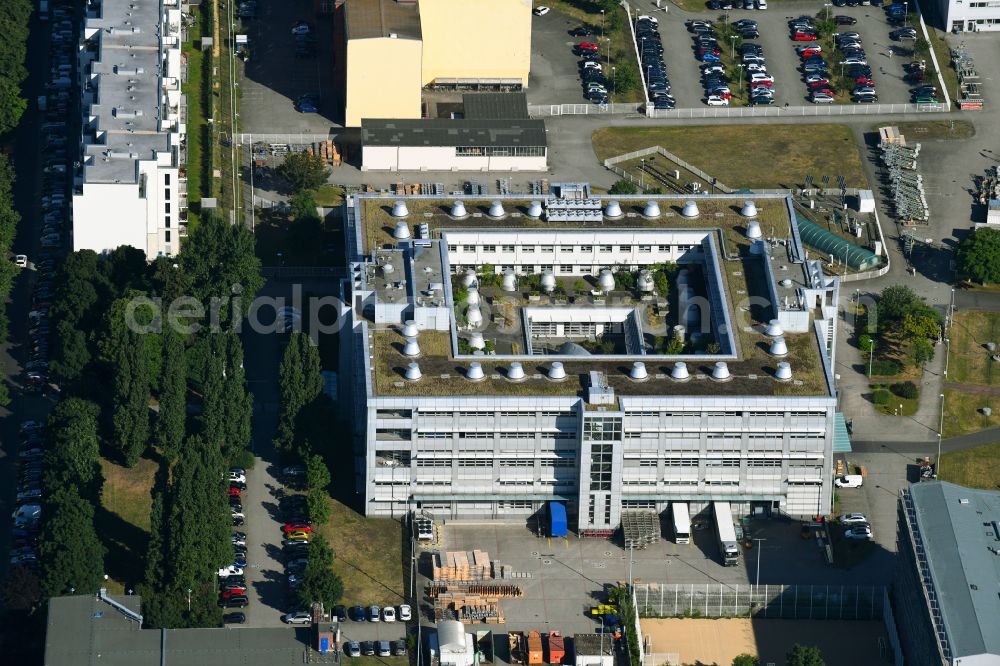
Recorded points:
(790,602)
(709,113)
(299,139)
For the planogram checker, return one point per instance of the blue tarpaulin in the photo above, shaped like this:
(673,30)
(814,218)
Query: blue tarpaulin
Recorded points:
(557,519)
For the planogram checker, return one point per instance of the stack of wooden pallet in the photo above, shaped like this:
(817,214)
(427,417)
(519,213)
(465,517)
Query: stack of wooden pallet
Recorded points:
(327,151)
(486,590)
(467,608)
(460,566)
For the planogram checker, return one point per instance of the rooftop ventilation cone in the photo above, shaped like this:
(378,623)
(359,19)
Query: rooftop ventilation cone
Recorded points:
(472,296)
(402,230)
(413,372)
(778,347)
(509,281)
(652,209)
(784,372)
(515,372)
(638,372)
(534,209)
(399,209)
(753,230)
(690,209)
(557,372)
(613,210)
(458,209)
(411,348)
(680,371)
(474,316)
(645,281)
(475,373)
(548,281)
(774,329)
(496,210)
(410,329)
(606,280)
(469,278)
(720,372)
(749,209)
(477,341)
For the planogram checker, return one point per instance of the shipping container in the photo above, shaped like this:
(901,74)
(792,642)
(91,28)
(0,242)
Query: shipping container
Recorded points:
(557,648)
(535,655)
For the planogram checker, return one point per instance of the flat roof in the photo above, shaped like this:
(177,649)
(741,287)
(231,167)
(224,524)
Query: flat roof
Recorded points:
(502,105)
(83,629)
(959,530)
(372,19)
(744,279)
(447,132)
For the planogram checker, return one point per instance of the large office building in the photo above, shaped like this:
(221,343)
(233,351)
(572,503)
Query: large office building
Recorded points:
(613,355)
(969,15)
(946,591)
(387,51)
(131,188)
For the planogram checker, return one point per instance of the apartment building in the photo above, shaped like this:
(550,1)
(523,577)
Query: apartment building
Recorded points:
(131,187)
(613,354)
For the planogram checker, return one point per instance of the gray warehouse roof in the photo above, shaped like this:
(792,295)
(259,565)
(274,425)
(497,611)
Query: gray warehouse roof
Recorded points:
(84,630)
(959,529)
(505,105)
(371,19)
(445,132)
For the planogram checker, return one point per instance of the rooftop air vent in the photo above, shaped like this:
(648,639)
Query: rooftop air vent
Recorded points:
(556,371)
(606,281)
(753,230)
(534,209)
(613,210)
(496,210)
(413,372)
(784,372)
(680,372)
(475,373)
(409,327)
(651,210)
(749,209)
(645,281)
(411,348)
(402,230)
(474,316)
(548,281)
(778,347)
(469,278)
(472,296)
(515,372)
(720,372)
(399,209)
(774,329)
(509,281)
(458,209)
(476,340)
(638,372)
(690,209)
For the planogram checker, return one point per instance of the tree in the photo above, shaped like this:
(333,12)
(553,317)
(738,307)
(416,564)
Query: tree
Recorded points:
(237,403)
(319,582)
(895,301)
(130,399)
(71,555)
(802,655)
(919,325)
(212,419)
(219,258)
(921,46)
(300,381)
(317,479)
(73,455)
(22,589)
(303,171)
(746,660)
(303,206)
(170,420)
(921,351)
(978,255)
(623,186)
(626,78)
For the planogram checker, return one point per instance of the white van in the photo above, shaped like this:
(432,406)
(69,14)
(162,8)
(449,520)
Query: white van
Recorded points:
(761,4)
(849,481)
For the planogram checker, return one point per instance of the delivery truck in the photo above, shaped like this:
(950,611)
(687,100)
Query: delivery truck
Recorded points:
(729,548)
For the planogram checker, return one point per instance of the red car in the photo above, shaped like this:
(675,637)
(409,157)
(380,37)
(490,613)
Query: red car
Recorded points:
(234,492)
(234,591)
(810,51)
(805,37)
(701,52)
(761,84)
(295,527)
(587,46)
(865,82)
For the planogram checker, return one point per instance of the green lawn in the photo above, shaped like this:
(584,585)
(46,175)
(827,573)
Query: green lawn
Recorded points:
(122,520)
(977,468)
(195,168)
(970,361)
(329,196)
(896,406)
(963,415)
(368,556)
(753,156)
(943,54)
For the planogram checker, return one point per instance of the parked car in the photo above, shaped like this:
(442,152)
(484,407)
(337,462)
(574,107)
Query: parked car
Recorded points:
(384,649)
(297,617)
(374,612)
(357,613)
(368,648)
(405,613)
(844,20)
(234,602)
(541,10)
(388,614)
(849,518)
(340,613)
(821,98)
(234,618)
(352,649)
(861,532)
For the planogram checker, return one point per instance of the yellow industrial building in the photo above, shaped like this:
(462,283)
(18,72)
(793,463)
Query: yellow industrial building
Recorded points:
(391,49)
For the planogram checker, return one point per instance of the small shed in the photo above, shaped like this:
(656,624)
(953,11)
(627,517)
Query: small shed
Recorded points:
(866,201)
(557,519)
(593,650)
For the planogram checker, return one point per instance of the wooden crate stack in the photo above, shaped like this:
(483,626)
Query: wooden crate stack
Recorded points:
(468,608)
(461,566)
(327,151)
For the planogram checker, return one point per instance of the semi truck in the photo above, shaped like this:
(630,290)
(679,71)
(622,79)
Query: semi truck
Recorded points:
(682,522)
(729,548)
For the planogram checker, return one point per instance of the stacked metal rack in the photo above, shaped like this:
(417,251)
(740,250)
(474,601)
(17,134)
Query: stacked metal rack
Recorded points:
(905,186)
(640,528)
(968,79)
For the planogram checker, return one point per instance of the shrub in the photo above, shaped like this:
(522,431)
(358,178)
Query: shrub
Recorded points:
(905,390)
(880,397)
(886,368)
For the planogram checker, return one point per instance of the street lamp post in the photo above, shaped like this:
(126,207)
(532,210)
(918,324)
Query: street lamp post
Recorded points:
(614,82)
(937,461)
(602,24)
(642,173)
(189,599)
(732,38)
(759,548)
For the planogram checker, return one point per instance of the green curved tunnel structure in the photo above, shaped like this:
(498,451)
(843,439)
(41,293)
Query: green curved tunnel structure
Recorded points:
(818,238)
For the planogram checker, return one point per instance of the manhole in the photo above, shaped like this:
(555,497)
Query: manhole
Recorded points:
(608,553)
(546,561)
(535,553)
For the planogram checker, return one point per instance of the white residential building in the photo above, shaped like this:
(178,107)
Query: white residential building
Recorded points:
(969,15)
(486,396)
(131,189)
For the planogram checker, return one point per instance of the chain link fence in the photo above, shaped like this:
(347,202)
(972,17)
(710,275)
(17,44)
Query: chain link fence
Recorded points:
(790,602)
(707,113)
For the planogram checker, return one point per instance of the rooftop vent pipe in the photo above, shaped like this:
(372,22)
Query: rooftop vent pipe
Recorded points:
(402,231)
(749,209)
(652,209)
(509,281)
(534,209)
(774,329)
(638,372)
(784,372)
(475,373)
(515,372)
(476,340)
(721,372)
(413,372)
(411,348)
(557,372)
(474,316)
(472,296)
(469,278)
(496,210)
(410,329)
(778,347)
(613,210)
(606,281)
(680,372)
(548,281)
(458,209)
(690,209)
(399,209)
(753,230)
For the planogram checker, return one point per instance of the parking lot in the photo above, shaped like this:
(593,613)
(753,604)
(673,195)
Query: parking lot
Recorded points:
(274,77)
(782,61)
(554,78)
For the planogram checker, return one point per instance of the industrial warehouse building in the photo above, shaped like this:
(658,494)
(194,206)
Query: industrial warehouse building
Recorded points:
(494,134)
(501,354)
(131,189)
(388,50)
(968,15)
(946,598)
